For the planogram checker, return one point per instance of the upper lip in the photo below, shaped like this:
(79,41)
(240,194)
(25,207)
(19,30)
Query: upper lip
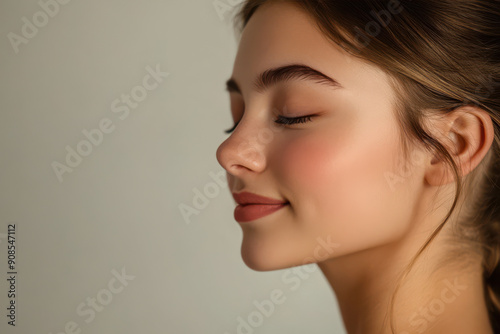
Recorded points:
(245,198)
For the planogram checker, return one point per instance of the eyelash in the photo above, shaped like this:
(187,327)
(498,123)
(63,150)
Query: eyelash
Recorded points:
(281,120)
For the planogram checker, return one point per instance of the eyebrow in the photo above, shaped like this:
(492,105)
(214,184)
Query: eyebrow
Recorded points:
(285,73)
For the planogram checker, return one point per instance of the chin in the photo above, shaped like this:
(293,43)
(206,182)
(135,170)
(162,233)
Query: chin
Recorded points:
(257,265)
(255,259)
(258,257)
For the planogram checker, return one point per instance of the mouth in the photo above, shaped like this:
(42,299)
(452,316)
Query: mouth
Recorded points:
(247,198)
(253,211)
(253,206)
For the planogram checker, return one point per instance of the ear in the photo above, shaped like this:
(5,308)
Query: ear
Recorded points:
(467,132)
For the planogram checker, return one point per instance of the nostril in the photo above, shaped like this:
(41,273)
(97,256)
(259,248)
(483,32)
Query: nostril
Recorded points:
(235,167)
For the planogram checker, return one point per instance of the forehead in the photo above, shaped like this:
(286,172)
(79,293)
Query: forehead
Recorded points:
(281,33)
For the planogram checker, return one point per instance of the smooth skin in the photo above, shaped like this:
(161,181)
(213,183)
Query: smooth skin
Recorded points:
(333,171)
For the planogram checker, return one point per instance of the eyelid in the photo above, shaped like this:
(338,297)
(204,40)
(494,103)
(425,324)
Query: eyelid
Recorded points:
(282,120)
(293,120)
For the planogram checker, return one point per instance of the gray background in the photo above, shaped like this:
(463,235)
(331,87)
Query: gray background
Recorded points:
(119,209)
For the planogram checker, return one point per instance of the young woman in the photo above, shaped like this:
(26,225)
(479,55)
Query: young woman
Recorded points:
(367,140)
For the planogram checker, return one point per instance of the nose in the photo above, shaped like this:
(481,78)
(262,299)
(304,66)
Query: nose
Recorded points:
(243,152)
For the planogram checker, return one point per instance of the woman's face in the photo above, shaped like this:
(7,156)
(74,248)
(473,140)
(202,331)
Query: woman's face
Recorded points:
(338,171)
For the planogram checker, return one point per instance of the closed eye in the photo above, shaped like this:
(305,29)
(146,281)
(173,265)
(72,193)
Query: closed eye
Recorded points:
(292,120)
(281,120)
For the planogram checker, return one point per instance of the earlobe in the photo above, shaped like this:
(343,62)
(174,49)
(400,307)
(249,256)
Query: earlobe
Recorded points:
(467,133)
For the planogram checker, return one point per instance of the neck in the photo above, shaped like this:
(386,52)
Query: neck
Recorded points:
(437,296)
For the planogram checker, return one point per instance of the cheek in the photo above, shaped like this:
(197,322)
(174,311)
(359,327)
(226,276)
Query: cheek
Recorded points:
(317,168)
(307,163)
(337,183)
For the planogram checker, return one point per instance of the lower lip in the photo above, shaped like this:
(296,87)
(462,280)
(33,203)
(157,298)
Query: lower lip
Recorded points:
(249,212)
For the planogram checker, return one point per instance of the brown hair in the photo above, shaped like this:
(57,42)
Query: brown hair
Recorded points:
(441,54)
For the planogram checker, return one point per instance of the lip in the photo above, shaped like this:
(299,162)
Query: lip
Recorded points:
(245,198)
(252,206)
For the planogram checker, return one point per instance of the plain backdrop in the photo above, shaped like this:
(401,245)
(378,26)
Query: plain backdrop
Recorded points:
(104,247)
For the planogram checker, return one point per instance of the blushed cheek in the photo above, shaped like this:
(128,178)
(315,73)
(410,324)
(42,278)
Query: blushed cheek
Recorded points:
(339,179)
(306,161)
(310,169)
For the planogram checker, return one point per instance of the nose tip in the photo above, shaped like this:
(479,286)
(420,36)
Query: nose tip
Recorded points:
(221,156)
(238,155)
